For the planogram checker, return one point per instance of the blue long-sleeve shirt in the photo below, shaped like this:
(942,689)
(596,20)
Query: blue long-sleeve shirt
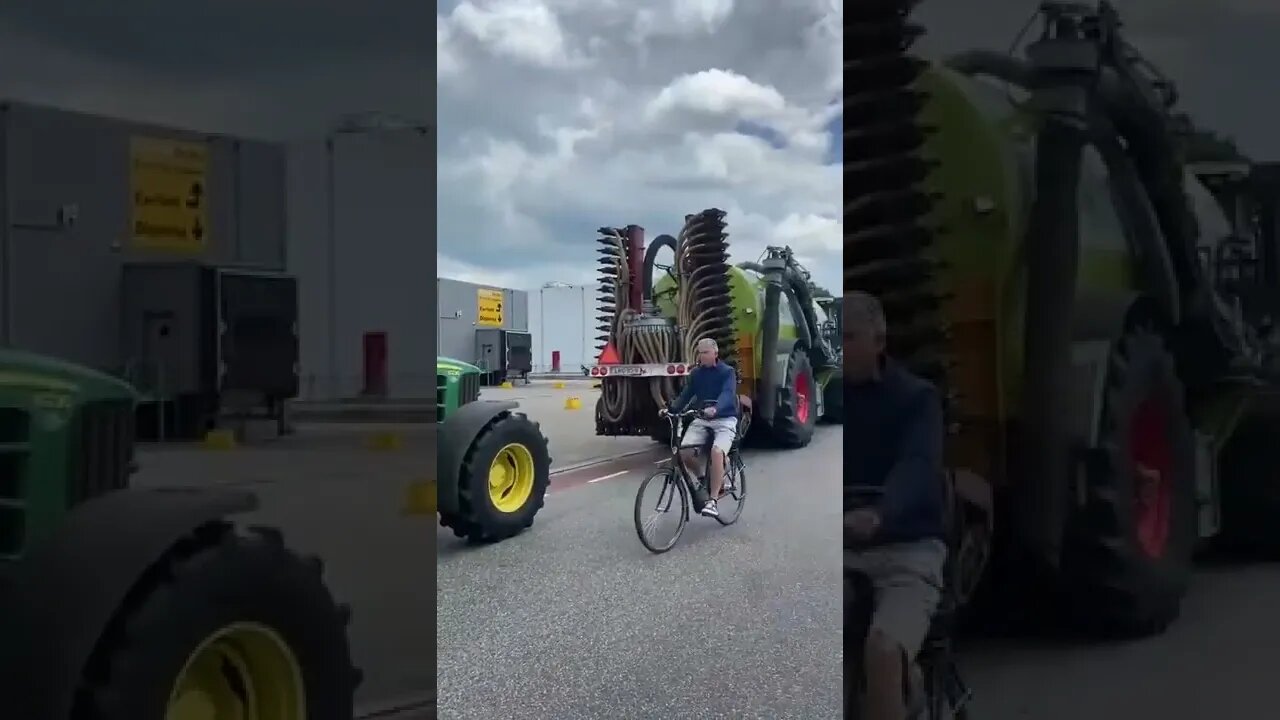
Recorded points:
(893,440)
(718,384)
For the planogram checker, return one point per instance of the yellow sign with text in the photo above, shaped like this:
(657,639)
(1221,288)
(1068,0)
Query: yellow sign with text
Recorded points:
(490,307)
(169,180)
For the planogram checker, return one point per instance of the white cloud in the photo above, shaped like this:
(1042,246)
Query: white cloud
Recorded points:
(525,31)
(717,92)
(610,113)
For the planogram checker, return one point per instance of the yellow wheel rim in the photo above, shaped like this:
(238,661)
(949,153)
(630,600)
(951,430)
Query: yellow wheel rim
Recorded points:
(245,671)
(511,478)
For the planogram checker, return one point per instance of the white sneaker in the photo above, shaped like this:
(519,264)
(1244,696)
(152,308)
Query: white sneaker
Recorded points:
(710,509)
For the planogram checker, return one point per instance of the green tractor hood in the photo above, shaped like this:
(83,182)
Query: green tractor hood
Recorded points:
(449,366)
(26,372)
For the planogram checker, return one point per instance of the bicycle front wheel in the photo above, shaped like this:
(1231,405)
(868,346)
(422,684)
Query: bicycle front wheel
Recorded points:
(668,504)
(735,491)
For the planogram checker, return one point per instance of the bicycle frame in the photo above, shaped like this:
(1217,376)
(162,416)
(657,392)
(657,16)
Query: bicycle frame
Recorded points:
(680,423)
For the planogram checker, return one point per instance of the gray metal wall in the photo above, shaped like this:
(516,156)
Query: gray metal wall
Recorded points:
(377,277)
(458,309)
(60,287)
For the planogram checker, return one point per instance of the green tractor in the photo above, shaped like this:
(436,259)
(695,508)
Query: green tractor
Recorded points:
(494,465)
(120,603)
(763,316)
(1098,310)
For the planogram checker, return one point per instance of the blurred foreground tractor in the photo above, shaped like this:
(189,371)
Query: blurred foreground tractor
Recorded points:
(494,466)
(1098,306)
(762,315)
(119,603)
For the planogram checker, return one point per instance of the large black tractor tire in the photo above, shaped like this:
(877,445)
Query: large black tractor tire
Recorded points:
(241,605)
(795,415)
(1128,548)
(1250,486)
(513,446)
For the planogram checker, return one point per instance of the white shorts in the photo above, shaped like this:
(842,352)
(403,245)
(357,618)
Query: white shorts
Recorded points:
(724,429)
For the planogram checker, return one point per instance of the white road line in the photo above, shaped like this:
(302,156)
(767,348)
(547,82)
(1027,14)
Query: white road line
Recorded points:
(610,475)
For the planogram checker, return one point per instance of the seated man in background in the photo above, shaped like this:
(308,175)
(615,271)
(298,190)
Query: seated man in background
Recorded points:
(893,449)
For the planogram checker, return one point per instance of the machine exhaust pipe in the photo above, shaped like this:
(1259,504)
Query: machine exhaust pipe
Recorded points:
(773,275)
(1041,494)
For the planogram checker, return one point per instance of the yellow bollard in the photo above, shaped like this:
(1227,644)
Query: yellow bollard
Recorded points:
(506,385)
(573,403)
(420,498)
(559,385)
(385,441)
(220,440)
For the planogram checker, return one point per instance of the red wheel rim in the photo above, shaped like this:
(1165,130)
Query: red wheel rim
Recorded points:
(802,398)
(1152,460)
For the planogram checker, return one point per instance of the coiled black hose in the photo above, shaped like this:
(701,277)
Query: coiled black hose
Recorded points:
(650,256)
(635,338)
(887,238)
(705,308)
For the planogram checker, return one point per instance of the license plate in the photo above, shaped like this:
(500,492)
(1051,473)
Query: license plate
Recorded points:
(626,370)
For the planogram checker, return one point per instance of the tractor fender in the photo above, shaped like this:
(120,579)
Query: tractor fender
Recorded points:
(457,433)
(67,590)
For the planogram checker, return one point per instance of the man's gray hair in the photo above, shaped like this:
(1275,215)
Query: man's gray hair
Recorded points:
(863,310)
(707,343)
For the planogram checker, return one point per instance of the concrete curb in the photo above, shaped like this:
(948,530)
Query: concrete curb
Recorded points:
(597,461)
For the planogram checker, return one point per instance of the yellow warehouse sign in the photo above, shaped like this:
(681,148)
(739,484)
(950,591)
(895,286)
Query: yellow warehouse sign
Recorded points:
(169,180)
(490,307)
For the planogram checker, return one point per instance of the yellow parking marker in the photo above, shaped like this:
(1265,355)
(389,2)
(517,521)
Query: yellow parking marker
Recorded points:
(506,385)
(559,385)
(573,403)
(420,498)
(385,441)
(220,440)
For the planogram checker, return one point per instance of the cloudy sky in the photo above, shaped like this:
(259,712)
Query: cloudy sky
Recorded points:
(557,117)
(275,69)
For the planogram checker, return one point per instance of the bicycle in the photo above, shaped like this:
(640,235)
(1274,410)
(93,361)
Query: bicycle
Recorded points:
(676,481)
(932,686)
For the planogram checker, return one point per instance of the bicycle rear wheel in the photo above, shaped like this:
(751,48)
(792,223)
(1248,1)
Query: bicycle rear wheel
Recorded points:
(736,474)
(671,504)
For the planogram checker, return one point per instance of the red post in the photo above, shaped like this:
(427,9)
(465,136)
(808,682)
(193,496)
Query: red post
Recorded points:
(635,266)
(555,361)
(375,364)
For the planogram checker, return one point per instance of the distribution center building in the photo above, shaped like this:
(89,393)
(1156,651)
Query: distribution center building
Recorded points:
(82,196)
(466,310)
(562,320)
(360,238)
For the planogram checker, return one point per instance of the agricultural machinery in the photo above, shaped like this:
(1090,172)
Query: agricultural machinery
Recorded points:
(120,603)
(762,315)
(493,467)
(1097,307)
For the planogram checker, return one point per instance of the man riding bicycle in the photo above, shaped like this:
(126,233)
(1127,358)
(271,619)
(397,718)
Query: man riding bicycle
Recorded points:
(893,442)
(714,384)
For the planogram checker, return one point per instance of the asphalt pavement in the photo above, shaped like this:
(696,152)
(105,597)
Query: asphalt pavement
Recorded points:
(575,620)
(1217,661)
